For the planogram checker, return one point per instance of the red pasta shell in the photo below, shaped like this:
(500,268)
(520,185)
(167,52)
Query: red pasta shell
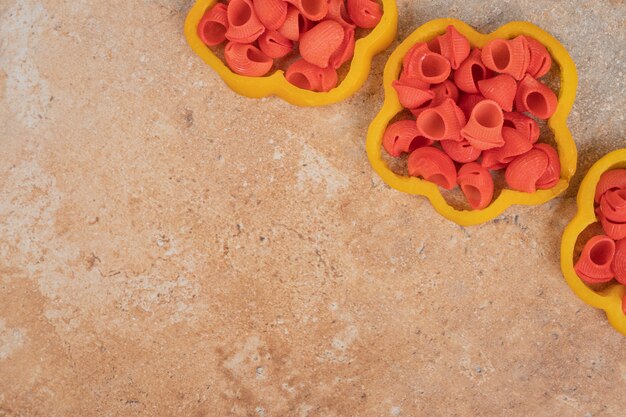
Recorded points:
(619,262)
(484,127)
(460,151)
(535,98)
(337,11)
(314,10)
(243,24)
(364,13)
(452,45)
(477,185)
(320,43)
(345,52)
(507,56)
(307,76)
(467,102)
(552,174)
(410,59)
(294,25)
(246,59)
(412,97)
(402,136)
(515,144)
(471,71)
(430,67)
(274,45)
(613,205)
(501,89)
(524,171)
(594,264)
(610,180)
(271,13)
(523,124)
(213,25)
(445,90)
(433,165)
(442,122)
(540,59)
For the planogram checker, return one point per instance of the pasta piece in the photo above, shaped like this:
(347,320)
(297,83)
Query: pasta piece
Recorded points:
(345,52)
(213,25)
(338,12)
(243,24)
(412,97)
(515,144)
(470,72)
(433,165)
(430,67)
(484,127)
(552,174)
(271,13)
(540,59)
(402,136)
(320,43)
(507,56)
(413,82)
(246,59)
(523,124)
(461,152)
(295,24)
(467,102)
(445,90)
(490,160)
(619,262)
(305,75)
(524,171)
(594,264)
(442,122)
(452,45)
(536,98)
(501,89)
(275,45)
(314,10)
(364,13)
(610,180)
(476,184)
(409,61)
(613,205)
(613,229)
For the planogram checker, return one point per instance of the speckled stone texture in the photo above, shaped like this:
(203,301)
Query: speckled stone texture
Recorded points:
(170,248)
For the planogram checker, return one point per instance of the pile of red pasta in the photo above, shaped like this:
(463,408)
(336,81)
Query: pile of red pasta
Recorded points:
(604,256)
(266,34)
(474,112)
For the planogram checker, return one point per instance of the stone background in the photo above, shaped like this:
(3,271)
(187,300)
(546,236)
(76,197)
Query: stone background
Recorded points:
(170,248)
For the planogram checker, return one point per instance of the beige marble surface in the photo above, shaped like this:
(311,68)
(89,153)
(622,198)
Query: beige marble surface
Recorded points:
(170,248)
